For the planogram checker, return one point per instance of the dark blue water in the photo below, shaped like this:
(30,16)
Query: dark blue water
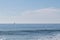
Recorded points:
(29,26)
(29,31)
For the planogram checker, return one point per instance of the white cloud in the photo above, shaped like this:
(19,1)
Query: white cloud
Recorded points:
(45,15)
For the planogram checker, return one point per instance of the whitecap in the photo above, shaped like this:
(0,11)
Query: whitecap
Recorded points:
(2,38)
(56,37)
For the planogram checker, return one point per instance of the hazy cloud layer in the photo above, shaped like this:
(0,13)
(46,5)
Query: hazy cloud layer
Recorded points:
(45,15)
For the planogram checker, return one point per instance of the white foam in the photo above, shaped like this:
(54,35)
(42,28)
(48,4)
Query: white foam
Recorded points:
(2,38)
(56,37)
(38,37)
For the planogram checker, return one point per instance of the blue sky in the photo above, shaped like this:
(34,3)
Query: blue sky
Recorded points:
(30,11)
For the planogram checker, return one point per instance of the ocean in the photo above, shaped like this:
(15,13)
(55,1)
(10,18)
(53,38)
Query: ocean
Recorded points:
(29,31)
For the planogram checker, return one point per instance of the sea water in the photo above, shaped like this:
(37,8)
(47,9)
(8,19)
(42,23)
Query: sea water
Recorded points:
(39,32)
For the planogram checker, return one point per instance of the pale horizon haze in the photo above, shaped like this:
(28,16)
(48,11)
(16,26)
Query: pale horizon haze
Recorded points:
(29,11)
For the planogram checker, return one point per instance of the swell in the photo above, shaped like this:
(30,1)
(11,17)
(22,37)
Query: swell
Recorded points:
(26,32)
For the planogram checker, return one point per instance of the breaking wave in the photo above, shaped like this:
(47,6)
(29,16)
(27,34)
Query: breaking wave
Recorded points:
(31,35)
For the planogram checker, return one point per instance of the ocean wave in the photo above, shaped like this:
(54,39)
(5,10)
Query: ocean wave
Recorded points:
(41,36)
(56,37)
(26,32)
